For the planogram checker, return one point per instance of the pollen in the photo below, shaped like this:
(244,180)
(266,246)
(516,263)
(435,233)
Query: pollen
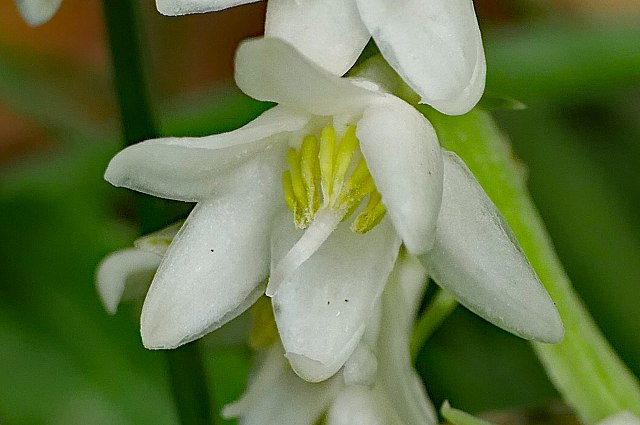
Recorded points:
(325,174)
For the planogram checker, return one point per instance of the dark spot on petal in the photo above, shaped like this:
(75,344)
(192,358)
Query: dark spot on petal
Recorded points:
(346,301)
(328,302)
(211,250)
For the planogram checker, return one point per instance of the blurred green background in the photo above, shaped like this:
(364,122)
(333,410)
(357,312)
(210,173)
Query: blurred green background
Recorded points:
(63,360)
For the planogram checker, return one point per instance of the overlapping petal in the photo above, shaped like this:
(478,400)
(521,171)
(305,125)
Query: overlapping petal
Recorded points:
(396,376)
(403,155)
(277,396)
(215,266)
(194,168)
(322,310)
(272,70)
(478,260)
(183,7)
(435,46)
(37,12)
(329,32)
(127,270)
(358,405)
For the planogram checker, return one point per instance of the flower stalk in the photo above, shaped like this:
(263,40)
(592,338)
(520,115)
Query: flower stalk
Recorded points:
(124,30)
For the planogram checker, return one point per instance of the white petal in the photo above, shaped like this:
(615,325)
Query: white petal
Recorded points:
(194,168)
(478,260)
(183,7)
(357,405)
(361,367)
(269,69)
(622,418)
(324,223)
(129,270)
(277,396)
(329,32)
(37,12)
(435,46)
(213,269)
(403,155)
(321,311)
(396,376)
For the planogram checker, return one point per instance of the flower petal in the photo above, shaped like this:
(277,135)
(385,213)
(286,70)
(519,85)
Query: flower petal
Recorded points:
(358,405)
(396,376)
(126,271)
(213,269)
(403,155)
(158,242)
(478,260)
(276,396)
(435,46)
(269,69)
(329,32)
(322,310)
(193,168)
(183,7)
(37,12)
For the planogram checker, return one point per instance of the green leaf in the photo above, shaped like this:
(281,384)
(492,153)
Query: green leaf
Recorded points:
(458,417)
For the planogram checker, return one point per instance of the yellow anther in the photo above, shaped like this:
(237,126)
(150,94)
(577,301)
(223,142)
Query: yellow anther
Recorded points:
(287,186)
(310,170)
(345,151)
(296,178)
(326,156)
(371,216)
(320,168)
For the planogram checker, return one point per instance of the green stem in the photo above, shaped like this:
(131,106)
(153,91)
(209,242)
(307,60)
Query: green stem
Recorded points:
(584,367)
(123,23)
(442,305)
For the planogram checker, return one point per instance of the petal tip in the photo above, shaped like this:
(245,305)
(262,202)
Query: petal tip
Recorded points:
(309,369)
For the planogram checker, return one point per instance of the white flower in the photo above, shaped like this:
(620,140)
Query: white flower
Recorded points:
(37,12)
(326,279)
(215,267)
(376,386)
(435,45)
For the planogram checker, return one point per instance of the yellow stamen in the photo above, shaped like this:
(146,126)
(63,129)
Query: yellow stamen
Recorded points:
(310,169)
(326,157)
(320,168)
(371,216)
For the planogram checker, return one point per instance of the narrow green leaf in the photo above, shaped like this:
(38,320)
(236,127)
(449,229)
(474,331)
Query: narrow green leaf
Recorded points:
(458,417)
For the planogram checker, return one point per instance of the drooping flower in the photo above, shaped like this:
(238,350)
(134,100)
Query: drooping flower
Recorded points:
(376,386)
(37,12)
(435,45)
(343,142)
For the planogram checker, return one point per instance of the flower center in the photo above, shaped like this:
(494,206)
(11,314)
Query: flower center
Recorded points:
(317,180)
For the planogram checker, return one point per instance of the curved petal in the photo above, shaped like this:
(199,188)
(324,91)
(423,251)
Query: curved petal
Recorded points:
(435,46)
(271,70)
(214,268)
(329,32)
(322,310)
(358,405)
(276,396)
(126,271)
(183,7)
(477,259)
(37,12)
(403,155)
(193,168)
(396,376)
